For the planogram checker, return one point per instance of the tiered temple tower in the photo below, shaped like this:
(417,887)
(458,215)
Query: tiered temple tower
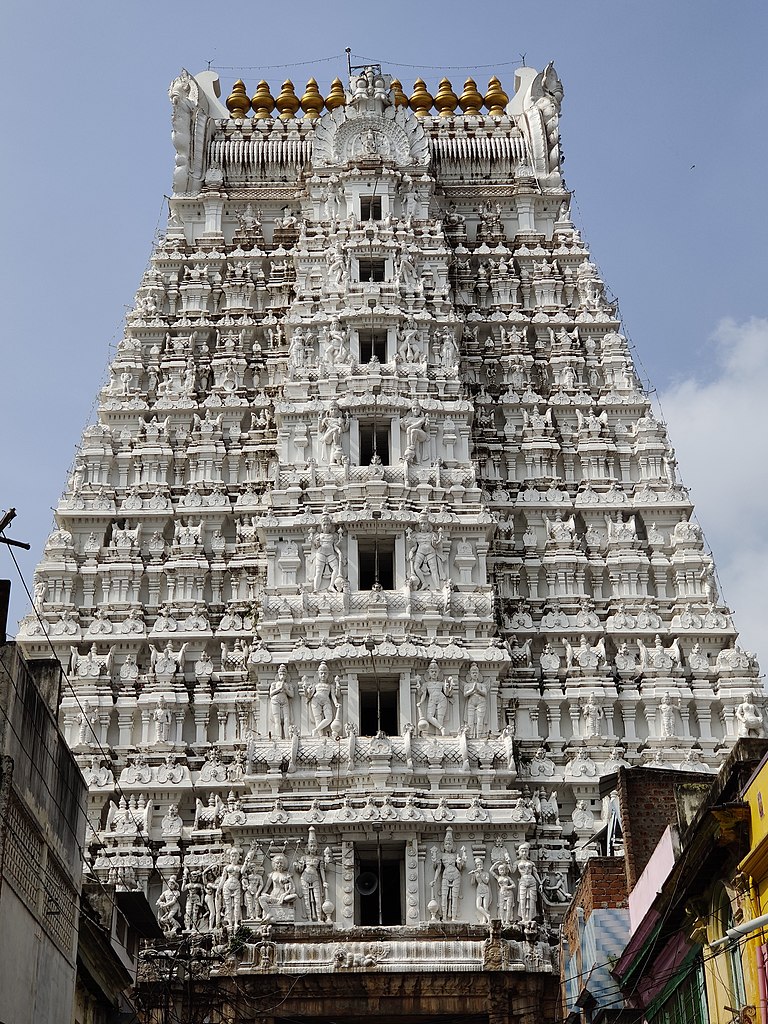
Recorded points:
(376,560)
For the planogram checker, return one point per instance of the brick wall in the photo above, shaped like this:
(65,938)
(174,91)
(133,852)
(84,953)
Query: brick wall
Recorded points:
(648,805)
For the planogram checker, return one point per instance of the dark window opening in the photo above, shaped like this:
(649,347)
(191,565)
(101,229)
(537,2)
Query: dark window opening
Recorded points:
(379,884)
(370,207)
(373,343)
(370,434)
(371,270)
(378,707)
(376,562)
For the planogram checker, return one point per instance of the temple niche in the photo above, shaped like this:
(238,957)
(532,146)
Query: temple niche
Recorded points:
(376,563)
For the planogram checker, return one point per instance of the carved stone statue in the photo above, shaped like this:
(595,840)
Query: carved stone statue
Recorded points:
(481,880)
(281,690)
(279,895)
(432,698)
(502,872)
(528,891)
(327,559)
(448,867)
(476,707)
(749,719)
(169,908)
(161,717)
(324,700)
(311,870)
(424,554)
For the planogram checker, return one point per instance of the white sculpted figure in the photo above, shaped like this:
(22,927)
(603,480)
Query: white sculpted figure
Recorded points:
(281,690)
(161,716)
(311,870)
(432,697)
(667,716)
(528,891)
(279,893)
(332,425)
(481,880)
(502,872)
(424,554)
(592,713)
(325,550)
(324,700)
(169,908)
(416,432)
(231,890)
(336,349)
(448,868)
(749,719)
(476,696)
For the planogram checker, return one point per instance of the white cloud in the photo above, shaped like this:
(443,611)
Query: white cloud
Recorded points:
(717,422)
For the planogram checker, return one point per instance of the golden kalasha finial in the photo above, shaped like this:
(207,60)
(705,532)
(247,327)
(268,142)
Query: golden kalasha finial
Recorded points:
(238,103)
(495,99)
(287,102)
(421,101)
(312,102)
(446,99)
(262,101)
(396,92)
(471,99)
(336,97)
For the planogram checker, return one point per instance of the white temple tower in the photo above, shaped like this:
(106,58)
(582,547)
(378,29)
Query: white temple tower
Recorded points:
(376,560)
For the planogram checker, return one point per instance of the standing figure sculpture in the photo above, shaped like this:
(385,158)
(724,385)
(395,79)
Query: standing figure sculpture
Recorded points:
(325,550)
(502,872)
(324,700)
(476,696)
(231,890)
(281,690)
(333,424)
(162,719)
(528,892)
(424,554)
(481,880)
(311,870)
(416,432)
(169,908)
(432,697)
(448,867)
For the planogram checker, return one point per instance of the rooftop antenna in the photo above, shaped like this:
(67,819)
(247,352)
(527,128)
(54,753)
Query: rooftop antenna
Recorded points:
(522,59)
(348,52)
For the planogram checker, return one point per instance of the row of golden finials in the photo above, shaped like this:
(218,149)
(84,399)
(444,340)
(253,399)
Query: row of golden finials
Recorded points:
(287,102)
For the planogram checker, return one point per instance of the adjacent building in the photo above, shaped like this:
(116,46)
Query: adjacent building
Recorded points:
(375,562)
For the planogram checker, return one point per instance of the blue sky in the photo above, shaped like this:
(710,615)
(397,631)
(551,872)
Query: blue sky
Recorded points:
(665,143)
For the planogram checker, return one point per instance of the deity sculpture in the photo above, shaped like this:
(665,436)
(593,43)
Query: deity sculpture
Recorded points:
(279,894)
(333,424)
(161,716)
(324,700)
(502,872)
(448,867)
(749,719)
(424,554)
(432,698)
(481,880)
(416,432)
(325,550)
(281,690)
(231,889)
(476,708)
(169,908)
(311,870)
(528,890)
